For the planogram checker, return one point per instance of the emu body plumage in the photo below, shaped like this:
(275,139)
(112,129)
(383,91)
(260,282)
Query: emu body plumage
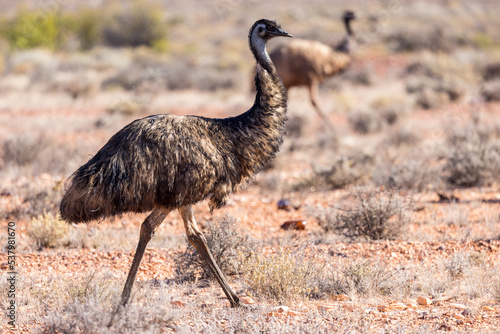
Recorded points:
(173,161)
(165,162)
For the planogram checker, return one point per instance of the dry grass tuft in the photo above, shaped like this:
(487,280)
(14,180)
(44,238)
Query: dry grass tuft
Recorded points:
(228,244)
(282,276)
(48,231)
(474,157)
(378,215)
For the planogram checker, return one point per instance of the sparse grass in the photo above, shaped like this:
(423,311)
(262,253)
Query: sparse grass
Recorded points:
(352,169)
(48,231)
(365,121)
(282,276)
(491,90)
(377,215)
(411,41)
(139,24)
(461,263)
(473,158)
(408,173)
(229,245)
(23,149)
(35,200)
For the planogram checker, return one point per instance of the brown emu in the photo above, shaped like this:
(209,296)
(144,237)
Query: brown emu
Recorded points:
(167,162)
(308,63)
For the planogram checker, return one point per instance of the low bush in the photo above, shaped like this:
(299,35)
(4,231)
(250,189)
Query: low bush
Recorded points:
(377,215)
(229,246)
(282,276)
(33,29)
(134,26)
(344,171)
(473,158)
(48,231)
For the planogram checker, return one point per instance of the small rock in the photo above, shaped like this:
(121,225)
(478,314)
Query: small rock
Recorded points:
(177,303)
(325,307)
(424,301)
(348,308)
(247,300)
(293,313)
(281,309)
(383,308)
(488,308)
(340,298)
(398,306)
(207,304)
(284,204)
(298,225)
(459,306)
(458,316)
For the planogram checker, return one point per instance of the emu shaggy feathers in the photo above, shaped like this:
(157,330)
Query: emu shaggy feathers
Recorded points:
(173,161)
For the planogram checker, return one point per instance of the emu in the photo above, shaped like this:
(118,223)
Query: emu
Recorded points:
(165,162)
(308,63)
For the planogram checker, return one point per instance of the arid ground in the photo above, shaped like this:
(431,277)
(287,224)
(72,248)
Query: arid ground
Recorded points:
(393,216)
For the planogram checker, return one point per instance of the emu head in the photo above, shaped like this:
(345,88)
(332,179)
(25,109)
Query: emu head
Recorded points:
(267,29)
(348,16)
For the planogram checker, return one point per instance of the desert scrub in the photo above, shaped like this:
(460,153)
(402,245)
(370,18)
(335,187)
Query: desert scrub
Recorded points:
(344,170)
(377,215)
(473,157)
(282,276)
(461,263)
(48,231)
(31,29)
(137,25)
(229,245)
(22,150)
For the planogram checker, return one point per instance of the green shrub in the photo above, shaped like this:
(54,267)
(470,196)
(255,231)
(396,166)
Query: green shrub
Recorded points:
(88,28)
(31,29)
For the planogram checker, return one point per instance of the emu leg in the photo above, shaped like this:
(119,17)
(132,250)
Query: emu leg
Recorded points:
(196,238)
(148,228)
(313,94)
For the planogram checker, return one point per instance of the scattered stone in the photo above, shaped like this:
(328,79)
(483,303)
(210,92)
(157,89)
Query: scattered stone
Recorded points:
(370,310)
(247,300)
(339,298)
(281,309)
(325,307)
(177,303)
(293,313)
(447,198)
(284,204)
(298,225)
(398,306)
(207,304)
(424,301)
(458,306)
(458,316)
(348,308)
(384,308)
(488,308)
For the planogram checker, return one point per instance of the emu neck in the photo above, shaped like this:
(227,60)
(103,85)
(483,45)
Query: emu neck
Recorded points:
(347,23)
(258,47)
(260,130)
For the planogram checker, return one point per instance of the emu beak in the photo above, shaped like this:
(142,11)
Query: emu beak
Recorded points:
(281,32)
